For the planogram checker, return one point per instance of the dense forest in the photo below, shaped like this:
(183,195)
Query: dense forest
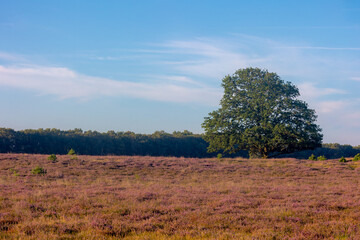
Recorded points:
(160,143)
(55,141)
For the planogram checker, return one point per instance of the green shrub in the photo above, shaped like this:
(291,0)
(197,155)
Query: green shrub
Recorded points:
(52,158)
(219,156)
(38,171)
(71,152)
(14,172)
(312,157)
(321,158)
(342,159)
(357,157)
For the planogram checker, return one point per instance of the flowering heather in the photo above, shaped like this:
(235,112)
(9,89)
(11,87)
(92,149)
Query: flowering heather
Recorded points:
(109,197)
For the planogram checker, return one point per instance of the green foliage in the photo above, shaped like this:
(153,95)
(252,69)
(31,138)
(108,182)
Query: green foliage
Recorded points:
(53,158)
(357,157)
(137,176)
(321,158)
(48,141)
(260,113)
(38,171)
(312,157)
(342,159)
(219,156)
(71,152)
(14,172)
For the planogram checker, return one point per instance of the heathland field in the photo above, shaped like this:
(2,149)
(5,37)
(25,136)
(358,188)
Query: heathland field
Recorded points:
(110,197)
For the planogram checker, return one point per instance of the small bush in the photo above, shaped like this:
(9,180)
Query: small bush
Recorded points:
(342,159)
(321,158)
(219,156)
(312,157)
(14,172)
(38,171)
(71,152)
(52,158)
(357,157)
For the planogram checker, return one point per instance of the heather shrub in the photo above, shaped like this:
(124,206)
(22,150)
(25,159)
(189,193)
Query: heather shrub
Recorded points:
(133,197)
(38,171)
(71,152)
(352,167)
(342,159)
(312,157)
(321,158)
(357,157)
(52,158)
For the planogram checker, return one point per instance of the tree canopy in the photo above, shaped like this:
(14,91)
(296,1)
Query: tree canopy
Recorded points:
(259,113)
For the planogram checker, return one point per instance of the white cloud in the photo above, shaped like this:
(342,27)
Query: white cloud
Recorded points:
(215,58)
(178,79)
(331,106)
(66,83)
(206,58)
(310,91)
(321,73)
(10,57)
(183,71)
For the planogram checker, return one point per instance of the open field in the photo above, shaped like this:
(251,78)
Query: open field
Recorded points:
(109,197)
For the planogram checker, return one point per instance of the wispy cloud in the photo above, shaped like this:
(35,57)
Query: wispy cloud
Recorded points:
(323,74)
(177,79)
(332,106)
(207,58)
(322,48)
(190,71)
(66,83)
(11,57)
(214,58)
(310,91)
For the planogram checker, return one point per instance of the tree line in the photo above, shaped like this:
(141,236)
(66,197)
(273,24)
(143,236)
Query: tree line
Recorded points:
(159,143)
(329,150)
(55,141)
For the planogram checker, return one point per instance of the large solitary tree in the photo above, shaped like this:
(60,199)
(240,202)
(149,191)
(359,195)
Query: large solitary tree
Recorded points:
(260,113)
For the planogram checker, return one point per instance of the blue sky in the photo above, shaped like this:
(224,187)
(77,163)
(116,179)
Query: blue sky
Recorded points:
(148,65)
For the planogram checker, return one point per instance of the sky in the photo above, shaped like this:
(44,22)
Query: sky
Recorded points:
(151,65)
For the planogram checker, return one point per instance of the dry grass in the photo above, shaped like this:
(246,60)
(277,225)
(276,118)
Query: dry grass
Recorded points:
(94,197)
